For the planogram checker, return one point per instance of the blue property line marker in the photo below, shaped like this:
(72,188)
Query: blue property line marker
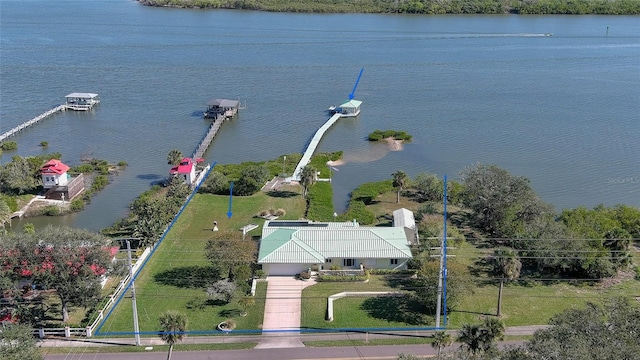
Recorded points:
(229,213)
(155,247)
(353,92)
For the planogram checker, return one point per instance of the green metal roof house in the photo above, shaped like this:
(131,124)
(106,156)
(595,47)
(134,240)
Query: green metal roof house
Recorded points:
(290,247)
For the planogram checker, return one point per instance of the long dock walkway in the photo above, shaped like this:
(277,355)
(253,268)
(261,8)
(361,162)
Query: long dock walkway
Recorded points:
(311,148)
(208,138)
(33,121)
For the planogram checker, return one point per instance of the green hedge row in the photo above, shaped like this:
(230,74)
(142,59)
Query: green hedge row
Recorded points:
(320,199)
(344,278)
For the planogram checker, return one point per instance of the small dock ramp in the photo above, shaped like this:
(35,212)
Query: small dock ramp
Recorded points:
(311,148)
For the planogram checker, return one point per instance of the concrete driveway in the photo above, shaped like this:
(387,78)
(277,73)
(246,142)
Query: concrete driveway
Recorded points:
(282,310)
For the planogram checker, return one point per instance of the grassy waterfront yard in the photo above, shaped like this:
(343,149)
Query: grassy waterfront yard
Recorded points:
(175,279)
(530,304)
(175,276)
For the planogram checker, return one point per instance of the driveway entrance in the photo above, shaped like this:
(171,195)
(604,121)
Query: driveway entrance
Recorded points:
(282,310)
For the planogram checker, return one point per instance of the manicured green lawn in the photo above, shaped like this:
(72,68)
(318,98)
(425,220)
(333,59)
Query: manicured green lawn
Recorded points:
(349,312)
(531,304)
(173,277)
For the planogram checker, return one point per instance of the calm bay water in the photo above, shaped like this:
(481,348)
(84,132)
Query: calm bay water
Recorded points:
(562,110)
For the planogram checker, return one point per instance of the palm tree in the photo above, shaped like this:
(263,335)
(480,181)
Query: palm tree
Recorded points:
(481,337)
(507,265)
(472,337)
(245,303)
(173,324)
(307,178)
(174,157)
(493,328)
(441,340)
(400,180)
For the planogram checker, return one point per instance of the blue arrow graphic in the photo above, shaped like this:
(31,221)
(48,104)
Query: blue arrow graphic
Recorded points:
(229,213)
(353,92)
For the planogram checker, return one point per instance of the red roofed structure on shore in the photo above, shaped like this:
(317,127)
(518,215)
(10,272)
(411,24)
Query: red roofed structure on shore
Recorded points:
(58,182)
(185,169)
(54,173)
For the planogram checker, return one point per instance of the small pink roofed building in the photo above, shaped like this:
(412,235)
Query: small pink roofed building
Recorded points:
(54,173)
(58,182)
(186,169)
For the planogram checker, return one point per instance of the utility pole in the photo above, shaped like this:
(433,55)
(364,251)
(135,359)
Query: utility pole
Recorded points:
(444,253)
(442,274)
(136,329)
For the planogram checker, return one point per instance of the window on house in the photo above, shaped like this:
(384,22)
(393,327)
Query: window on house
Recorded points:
(394,261)
(348,262)
(327,260)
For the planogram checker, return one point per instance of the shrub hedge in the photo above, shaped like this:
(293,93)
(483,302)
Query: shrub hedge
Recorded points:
(320,199)
(344,277)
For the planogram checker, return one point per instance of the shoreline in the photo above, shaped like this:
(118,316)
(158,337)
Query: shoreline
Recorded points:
(445,7)
(390,144)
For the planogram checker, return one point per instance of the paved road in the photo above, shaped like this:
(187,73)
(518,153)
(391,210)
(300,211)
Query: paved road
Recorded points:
(387,352)
(361,336)
(75,350)
(342,353)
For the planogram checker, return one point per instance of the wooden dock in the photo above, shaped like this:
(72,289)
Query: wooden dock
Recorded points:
(33,121)
(208,138)
(311,148)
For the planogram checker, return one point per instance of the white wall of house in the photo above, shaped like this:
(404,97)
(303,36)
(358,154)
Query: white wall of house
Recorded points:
(394,264)
(346,263)
(52,180)
(191,177)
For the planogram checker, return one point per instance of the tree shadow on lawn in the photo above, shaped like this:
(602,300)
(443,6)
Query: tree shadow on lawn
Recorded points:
(201,304)
(189,277)
(403,308)
(282,194)
(400,281)
(482,271)
(471,312)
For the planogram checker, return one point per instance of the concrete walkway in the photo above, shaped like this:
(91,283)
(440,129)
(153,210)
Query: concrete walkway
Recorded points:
(38,198)
(282,310)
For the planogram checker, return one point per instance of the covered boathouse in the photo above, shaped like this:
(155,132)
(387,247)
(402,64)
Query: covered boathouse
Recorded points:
(81,101)
(221,107)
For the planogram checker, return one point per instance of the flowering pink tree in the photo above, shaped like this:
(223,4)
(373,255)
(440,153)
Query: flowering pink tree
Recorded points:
(69,261)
